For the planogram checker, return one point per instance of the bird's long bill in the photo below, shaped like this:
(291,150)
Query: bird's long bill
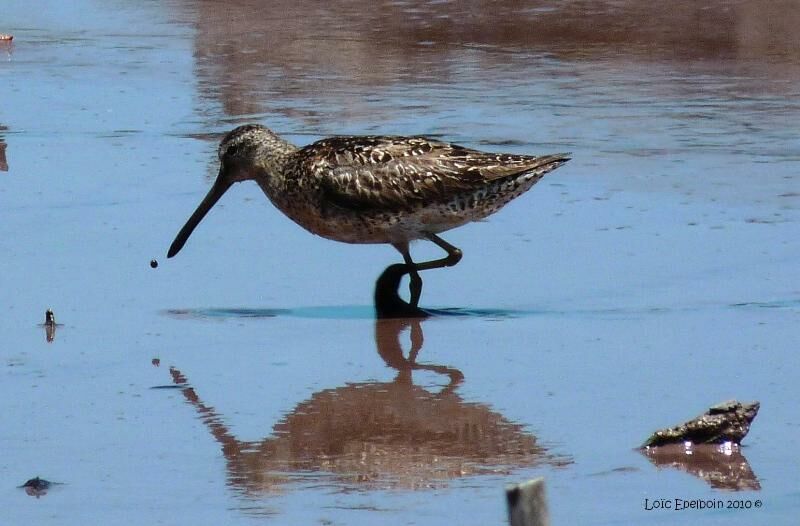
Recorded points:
(221,185)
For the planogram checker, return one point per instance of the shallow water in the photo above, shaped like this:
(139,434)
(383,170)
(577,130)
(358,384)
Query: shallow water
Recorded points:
(653,275)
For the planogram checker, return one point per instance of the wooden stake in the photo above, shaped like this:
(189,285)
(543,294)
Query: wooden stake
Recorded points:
(527,504)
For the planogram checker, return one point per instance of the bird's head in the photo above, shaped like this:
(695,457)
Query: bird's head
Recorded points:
(243,150)
(247,152)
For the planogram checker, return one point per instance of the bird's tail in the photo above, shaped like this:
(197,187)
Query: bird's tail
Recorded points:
(542,165)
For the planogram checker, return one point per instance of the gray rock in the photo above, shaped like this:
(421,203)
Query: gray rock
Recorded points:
(725,422)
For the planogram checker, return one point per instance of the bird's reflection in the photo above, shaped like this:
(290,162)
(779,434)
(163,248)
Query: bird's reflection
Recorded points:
(378,434)
(722,466)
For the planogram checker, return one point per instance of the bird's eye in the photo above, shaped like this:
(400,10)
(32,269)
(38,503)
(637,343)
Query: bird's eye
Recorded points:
(232,151)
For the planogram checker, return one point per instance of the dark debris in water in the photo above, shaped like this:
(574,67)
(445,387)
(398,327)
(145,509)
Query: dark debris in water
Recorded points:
(50,325)
(778,304)
(36,487)
(615,471)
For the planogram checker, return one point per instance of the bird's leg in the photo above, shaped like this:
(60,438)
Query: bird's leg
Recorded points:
(415,286)
(415,283)
(453,255)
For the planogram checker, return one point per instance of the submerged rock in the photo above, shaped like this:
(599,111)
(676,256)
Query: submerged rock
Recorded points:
(725,422)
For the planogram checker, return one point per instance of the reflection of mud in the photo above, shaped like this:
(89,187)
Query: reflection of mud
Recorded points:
(722,466)
(3,146)
(3,161)
(7,47)
(249,58)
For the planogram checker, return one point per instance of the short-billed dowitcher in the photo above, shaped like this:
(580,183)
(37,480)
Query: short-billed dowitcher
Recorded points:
(374,189)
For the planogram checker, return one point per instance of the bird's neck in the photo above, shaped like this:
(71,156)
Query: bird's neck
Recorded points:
(273,173)
(271,163)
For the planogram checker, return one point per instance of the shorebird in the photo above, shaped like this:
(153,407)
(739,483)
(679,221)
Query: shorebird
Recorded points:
(374,189)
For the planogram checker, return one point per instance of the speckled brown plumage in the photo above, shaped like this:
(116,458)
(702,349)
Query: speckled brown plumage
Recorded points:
(374,189)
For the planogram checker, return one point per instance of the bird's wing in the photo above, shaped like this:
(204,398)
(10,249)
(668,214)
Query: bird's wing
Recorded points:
(402,172)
